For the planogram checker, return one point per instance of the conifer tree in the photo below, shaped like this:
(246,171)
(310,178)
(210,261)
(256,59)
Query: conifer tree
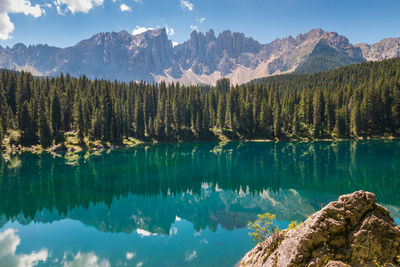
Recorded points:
(277,116)
(318,113)
(221,111)
(139,119)
(356,120)
(228,112)
(28,135)
(107,113)
(44,132)
(80,123)
(55,112)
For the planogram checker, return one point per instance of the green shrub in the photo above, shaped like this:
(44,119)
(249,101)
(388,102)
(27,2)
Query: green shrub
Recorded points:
(293,224)
(263,227)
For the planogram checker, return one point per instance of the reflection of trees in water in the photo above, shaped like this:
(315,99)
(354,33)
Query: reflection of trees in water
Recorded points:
(323,169)
(156,214)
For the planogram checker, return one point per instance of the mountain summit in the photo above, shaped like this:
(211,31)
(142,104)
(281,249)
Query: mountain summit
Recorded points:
(204,58)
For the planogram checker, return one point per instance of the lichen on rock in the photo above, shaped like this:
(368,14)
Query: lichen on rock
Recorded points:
(353,231)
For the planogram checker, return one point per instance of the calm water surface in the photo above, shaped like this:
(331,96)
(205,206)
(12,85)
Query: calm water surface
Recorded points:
(176,204)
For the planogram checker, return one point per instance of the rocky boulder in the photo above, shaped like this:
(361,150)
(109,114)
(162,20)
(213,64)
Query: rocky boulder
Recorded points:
(352,231)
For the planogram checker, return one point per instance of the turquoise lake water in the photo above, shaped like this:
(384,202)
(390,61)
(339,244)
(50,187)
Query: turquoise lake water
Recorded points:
(176,204)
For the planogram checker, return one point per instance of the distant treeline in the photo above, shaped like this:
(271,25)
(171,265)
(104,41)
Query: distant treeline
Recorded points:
(353,101)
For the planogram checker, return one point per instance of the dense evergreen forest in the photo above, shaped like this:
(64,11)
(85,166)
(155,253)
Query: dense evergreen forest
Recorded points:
(356,101)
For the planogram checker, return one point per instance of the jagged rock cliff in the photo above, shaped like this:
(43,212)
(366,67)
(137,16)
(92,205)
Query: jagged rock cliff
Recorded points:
(204,58)
(385,49)
(353,230)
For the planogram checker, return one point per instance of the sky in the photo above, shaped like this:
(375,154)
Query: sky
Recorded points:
(64,23)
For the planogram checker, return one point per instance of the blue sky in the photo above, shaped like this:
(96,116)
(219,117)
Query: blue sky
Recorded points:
(65,22)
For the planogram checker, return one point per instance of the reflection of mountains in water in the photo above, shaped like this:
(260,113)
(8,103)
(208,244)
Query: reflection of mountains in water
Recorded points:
(206,210)
(147,187)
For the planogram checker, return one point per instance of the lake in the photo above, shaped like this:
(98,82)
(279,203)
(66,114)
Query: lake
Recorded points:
(184,204)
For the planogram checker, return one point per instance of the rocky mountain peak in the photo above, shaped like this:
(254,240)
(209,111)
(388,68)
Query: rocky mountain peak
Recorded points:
(19,46)
(156,33)
(387,48)
(314,33)
(204,58)
(210,35)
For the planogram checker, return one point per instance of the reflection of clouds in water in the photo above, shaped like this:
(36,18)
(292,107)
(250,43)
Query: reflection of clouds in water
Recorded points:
(173,231)
(394,211)
(177,219)
(204,241)
(86,259)
(191,256)
(130,255)
(144,233)
(9,242)
(140,264)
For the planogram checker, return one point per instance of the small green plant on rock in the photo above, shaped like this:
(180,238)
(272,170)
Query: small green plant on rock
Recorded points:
(263,227)
(293,224)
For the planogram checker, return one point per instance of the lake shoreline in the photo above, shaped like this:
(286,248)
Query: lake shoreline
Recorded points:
(98,146)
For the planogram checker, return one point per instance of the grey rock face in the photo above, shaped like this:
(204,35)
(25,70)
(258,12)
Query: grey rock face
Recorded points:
(205,53)
(120,56)
(204,58)
(353,230)
(385,49)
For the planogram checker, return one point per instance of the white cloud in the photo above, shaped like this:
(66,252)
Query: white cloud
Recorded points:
(15,6)
(191,256)
(139,30)
(9,242)
(34,258)
(21,6)
(75,6)
(186,5)
(174,43)
(124,8)
(6,26)
(194,27)
(201,20)
(130,255)
(170,31)
(86,259)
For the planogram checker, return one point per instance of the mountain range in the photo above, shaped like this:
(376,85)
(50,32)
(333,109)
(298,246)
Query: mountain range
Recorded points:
(203,59)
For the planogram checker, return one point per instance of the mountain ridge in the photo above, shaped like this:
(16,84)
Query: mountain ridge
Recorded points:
(203,58)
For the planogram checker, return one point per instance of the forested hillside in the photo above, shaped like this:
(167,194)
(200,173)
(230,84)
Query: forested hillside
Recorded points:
(353,101)
(325,58)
